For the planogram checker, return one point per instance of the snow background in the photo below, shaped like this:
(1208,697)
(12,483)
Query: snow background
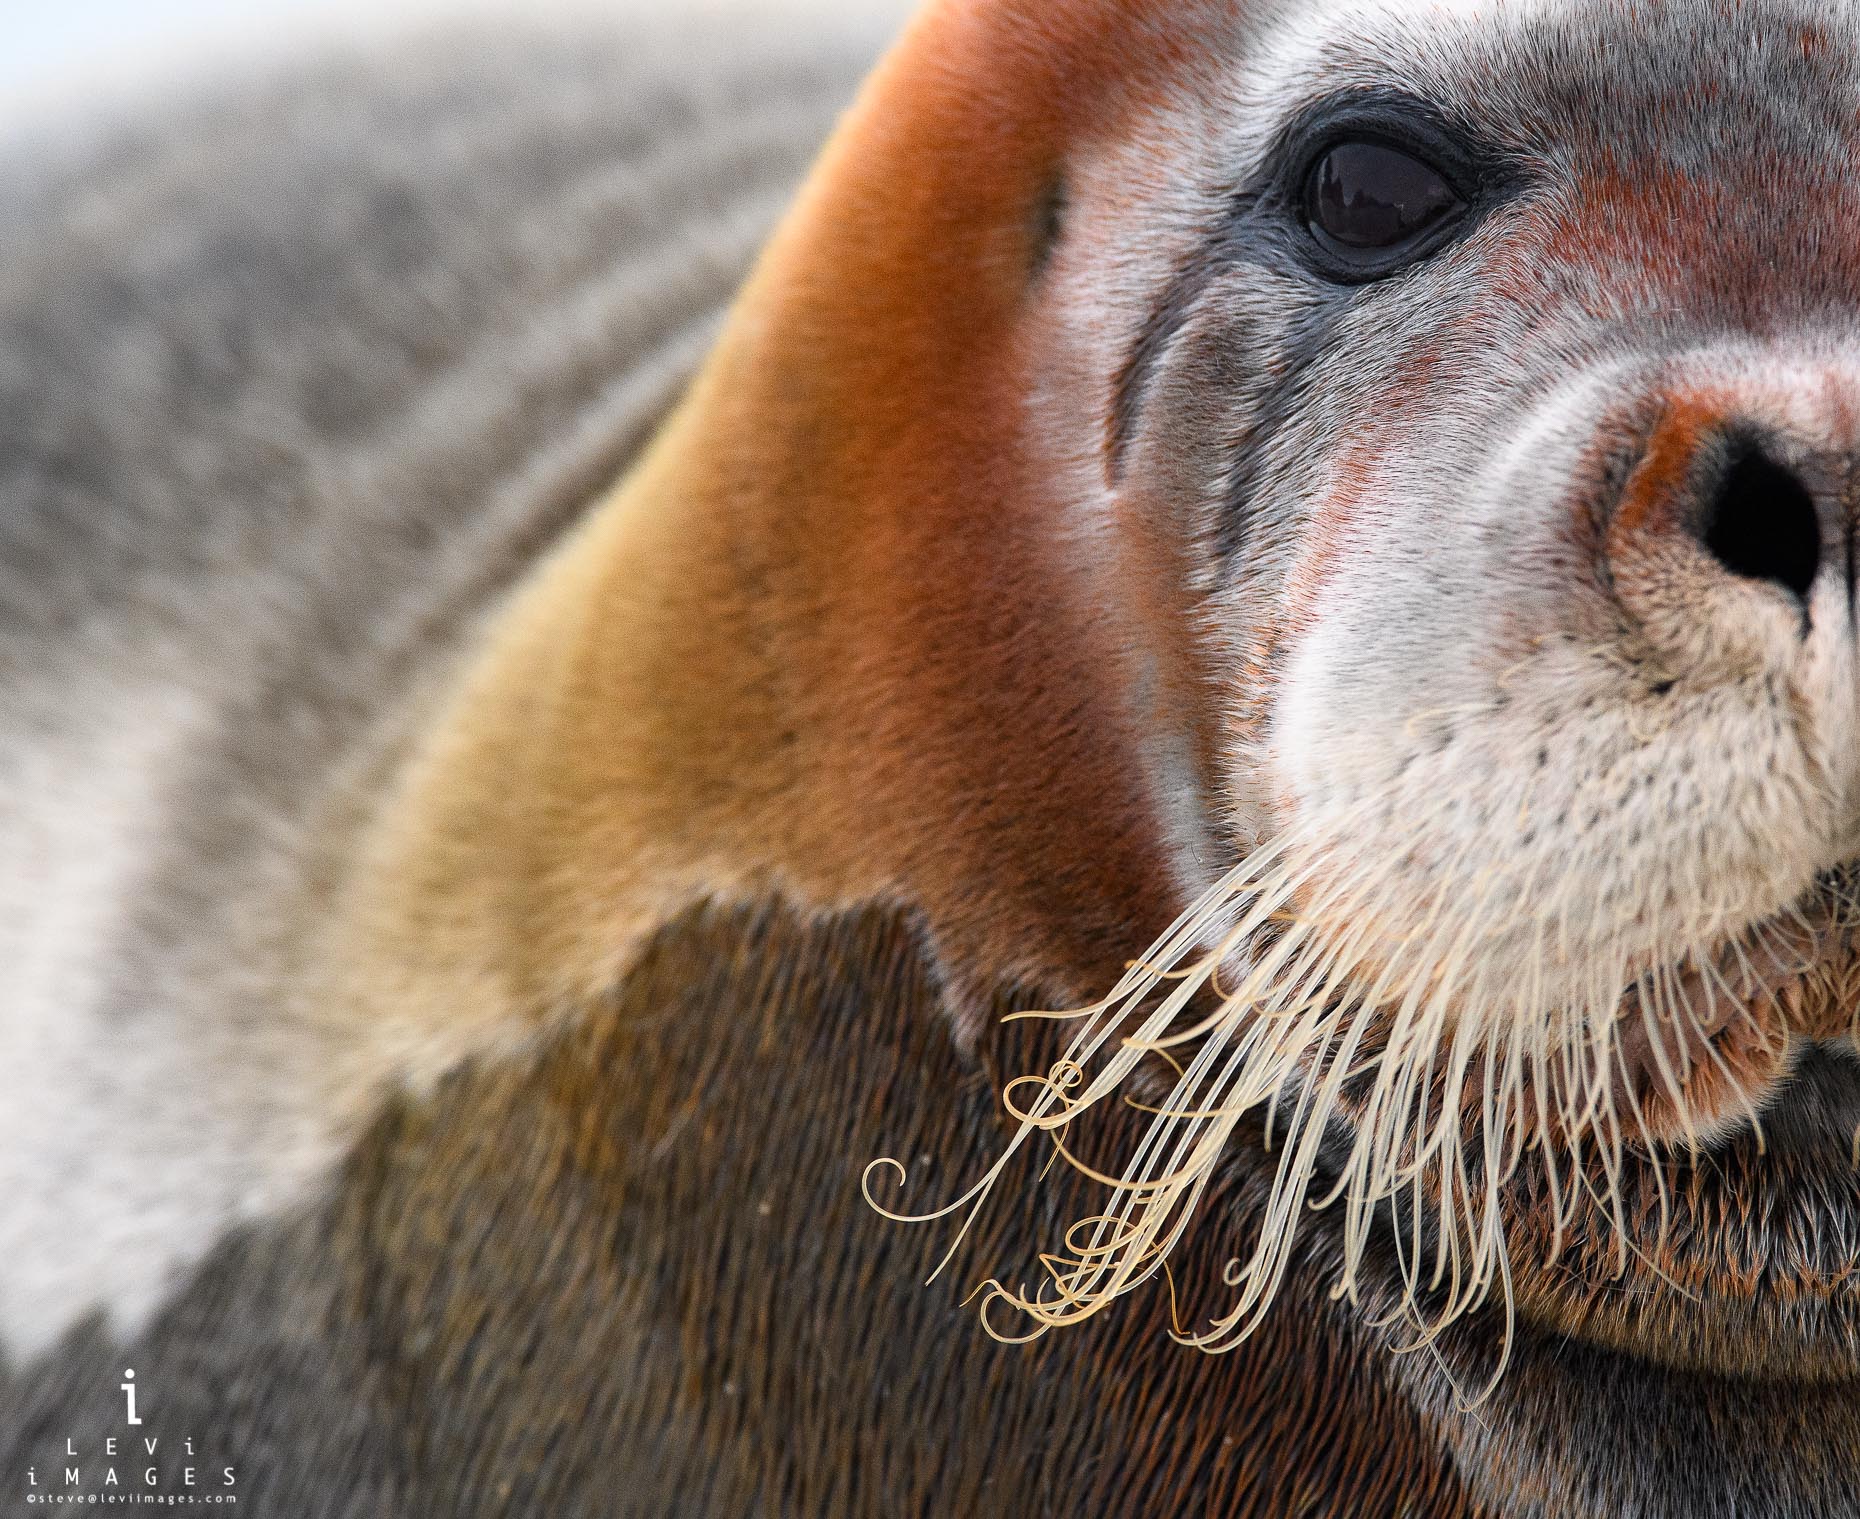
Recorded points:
(58,54)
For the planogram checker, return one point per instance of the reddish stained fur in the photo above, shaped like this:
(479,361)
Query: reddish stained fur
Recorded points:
(827,634)
(1648,512)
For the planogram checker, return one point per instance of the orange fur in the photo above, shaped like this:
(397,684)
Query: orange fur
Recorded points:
(824,635)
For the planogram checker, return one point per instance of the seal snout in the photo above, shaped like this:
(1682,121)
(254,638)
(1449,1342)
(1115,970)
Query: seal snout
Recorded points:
(1724,529)
(1760,522)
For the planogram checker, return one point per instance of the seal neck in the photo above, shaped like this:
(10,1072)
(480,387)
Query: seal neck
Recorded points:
(830,638)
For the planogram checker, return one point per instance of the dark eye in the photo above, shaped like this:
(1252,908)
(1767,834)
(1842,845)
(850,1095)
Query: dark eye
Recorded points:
(1364,197)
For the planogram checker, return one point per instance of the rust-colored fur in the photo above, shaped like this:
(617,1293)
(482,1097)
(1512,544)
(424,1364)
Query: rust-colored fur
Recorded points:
(827,633)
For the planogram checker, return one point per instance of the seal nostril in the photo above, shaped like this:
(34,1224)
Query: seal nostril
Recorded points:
(1761,523)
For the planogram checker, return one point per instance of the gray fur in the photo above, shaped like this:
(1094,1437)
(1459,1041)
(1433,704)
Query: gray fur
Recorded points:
(295,380)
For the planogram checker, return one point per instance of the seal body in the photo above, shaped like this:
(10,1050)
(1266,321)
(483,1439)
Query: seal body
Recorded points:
(1287,472)
(300,379)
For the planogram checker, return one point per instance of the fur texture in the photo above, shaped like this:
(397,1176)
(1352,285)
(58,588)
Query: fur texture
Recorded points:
(1053,547)
(297,381)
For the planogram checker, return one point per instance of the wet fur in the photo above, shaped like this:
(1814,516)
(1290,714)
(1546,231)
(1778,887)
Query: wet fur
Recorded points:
(633,1275)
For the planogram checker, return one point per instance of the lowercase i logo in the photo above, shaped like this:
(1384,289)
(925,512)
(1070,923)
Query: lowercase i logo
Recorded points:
(148,1466)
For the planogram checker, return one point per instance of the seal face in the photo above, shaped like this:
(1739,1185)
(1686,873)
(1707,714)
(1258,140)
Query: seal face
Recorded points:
(1370,483)
(1499,363)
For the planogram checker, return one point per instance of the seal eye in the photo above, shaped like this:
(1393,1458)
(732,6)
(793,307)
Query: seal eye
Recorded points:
(1365,198)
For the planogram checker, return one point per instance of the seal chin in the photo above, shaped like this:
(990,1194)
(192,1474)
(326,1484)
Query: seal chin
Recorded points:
(1726,1237)
(1735,1258)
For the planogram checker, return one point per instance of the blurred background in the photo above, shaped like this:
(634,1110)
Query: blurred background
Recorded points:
(50,47)
(57,53)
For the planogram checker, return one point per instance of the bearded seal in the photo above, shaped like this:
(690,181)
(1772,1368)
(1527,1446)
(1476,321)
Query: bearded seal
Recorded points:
(1240,657)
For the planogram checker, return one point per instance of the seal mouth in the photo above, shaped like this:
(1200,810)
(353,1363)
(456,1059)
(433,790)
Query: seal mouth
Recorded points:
(1726,1236)
(1698,1039)
(1693,1036)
